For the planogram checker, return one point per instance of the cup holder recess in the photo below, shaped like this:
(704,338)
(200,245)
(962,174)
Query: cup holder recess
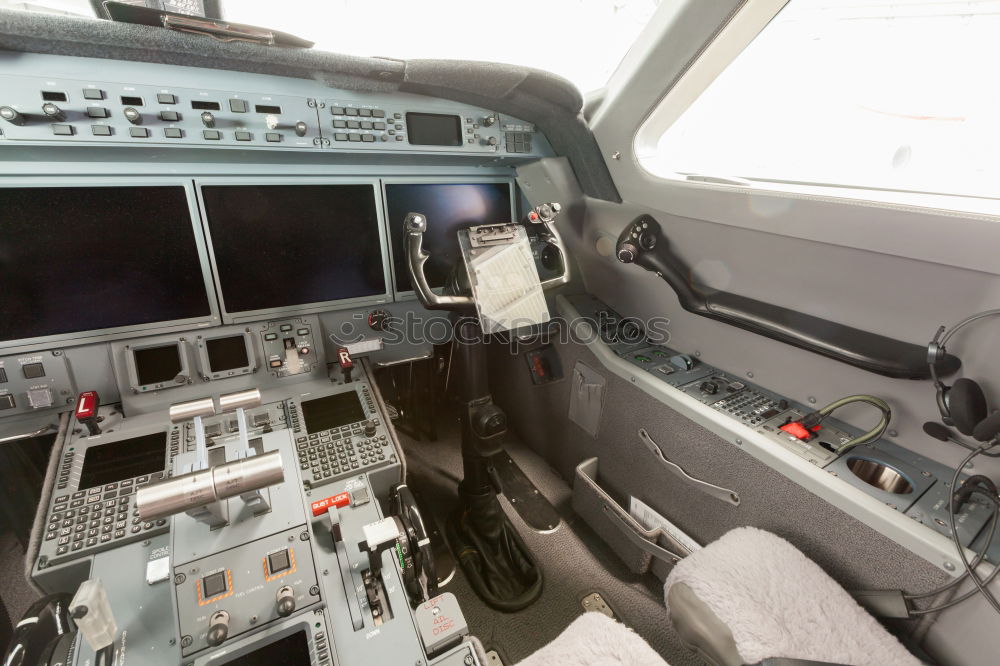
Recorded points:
(880,475)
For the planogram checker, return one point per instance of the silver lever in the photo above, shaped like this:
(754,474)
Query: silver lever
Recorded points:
(195,410)
(718,492)
(257,499)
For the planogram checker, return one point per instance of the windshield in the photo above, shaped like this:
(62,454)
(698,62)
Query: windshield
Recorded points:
(582,40)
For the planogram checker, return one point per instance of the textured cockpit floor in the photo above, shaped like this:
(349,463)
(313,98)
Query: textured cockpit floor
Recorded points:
(573,560)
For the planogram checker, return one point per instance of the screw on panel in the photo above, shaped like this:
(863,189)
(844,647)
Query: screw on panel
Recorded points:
(311,103)
(304,536)
(179,579)
(697,352)
(616,155)
(750,374)
(314,590)
(172,641)
(739,442)
(186,641)
(893,433)
(812,400)
(949,566)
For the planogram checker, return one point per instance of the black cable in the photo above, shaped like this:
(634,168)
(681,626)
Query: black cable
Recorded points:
(969,572)
(994,519)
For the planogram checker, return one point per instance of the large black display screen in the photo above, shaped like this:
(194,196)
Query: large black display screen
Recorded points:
(332,411)
(78,259)
(448,208)
(282,245)
(292,650)
(110,463)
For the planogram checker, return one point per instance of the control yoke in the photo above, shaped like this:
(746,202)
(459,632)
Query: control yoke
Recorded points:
(415,225)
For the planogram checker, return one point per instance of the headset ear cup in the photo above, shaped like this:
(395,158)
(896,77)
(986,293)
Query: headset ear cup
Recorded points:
(967,405)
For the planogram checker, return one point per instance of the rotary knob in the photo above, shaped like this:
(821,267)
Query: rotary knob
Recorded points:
(208,119)
(53,111)
(132,115)
(489,120)
(627,253)
(11,115)
(370,428)
(285,605)
(218,628)
(301,128)
(378,320)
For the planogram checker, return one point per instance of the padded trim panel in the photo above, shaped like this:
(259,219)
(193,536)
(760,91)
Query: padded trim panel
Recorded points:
(549,101)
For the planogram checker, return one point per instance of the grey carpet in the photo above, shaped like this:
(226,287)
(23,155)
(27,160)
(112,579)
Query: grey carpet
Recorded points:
(574,562)
(15,592)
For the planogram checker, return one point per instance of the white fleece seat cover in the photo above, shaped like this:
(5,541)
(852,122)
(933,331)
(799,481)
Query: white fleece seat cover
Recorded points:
(594,639)
(779,603)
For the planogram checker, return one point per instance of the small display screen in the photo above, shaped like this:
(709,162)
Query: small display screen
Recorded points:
(434,129)
(292,650)
(277,246)
(110,463)
(332,411)
(155,365)
(227,353)
(448,208)
(76,259)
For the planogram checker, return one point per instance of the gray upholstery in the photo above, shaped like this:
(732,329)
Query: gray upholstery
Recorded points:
(701,629)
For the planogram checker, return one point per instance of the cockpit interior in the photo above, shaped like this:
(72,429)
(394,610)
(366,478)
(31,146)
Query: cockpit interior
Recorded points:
(595,333)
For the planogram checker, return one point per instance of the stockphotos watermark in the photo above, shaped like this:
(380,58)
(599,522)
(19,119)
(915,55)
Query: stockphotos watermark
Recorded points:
(417,329)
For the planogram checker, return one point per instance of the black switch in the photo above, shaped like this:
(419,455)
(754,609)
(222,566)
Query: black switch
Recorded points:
(6,401)
(214,585)
(33,370)
(279,561)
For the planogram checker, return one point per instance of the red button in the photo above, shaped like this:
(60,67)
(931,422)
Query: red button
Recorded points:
(86,405)
(340,501)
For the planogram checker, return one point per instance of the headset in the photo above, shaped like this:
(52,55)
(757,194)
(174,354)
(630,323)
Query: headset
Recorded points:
(962,405)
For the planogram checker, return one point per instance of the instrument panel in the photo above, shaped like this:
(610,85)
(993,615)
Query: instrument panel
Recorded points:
(59,100)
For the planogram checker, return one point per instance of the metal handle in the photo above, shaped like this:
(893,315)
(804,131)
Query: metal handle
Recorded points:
(718,492)
(28,435)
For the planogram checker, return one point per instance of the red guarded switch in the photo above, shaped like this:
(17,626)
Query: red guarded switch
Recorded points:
(796,429)
(339,500)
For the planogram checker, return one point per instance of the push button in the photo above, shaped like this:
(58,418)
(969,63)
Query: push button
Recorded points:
(238,106)
(214,585)
(97,112)
(212,135)
(7,401)
(138,132)
(278,562)
(173,132)
(100,130)
(33,370)
(165,98)
(93,93)
(243,135)
(170,116)
(62,130)
(273,137)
